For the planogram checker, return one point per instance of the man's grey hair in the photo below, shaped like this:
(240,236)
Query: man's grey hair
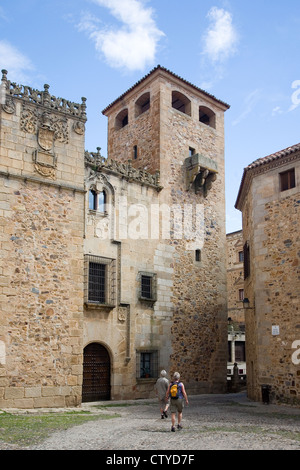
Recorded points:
(163,373)
(176,375)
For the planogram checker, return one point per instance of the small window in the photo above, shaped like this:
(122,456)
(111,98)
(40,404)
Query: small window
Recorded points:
(241,294)
(246,252)
(198,255)
(181,103)
(147,283)
(287,180)
(146,364)
(207,116)
(241,256)
(135,152)
(191,151)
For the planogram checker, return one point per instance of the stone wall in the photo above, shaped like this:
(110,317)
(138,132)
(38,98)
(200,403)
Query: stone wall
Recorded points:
(235,277)
(41,273)
(271,225)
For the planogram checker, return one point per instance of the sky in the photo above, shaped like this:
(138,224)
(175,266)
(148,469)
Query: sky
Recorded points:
(245,53)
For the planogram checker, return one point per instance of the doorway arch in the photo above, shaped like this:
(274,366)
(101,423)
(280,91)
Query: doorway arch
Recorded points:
(96,373)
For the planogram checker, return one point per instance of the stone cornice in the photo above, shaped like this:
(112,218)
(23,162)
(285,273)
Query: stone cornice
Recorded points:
(43,98)
(97,163)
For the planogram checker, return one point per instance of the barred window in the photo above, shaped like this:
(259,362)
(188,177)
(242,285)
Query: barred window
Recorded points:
(100,280)
(147,286)
(146,364)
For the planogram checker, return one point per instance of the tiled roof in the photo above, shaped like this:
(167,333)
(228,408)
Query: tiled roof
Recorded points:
(274,156)
(159,67)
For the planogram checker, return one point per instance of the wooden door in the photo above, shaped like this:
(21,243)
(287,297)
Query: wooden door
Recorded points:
(96,373)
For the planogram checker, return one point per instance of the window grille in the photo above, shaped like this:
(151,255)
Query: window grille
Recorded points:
(147,286)
(146,364)
(100,280)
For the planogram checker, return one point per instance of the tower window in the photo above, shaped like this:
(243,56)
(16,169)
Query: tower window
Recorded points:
(122,119)
(181,103)
(142,104)
(207,116)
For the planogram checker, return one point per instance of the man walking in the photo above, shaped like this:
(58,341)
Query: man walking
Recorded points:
(161,387)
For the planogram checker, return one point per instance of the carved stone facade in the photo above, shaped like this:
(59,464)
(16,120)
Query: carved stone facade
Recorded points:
(111,269)
(269,199)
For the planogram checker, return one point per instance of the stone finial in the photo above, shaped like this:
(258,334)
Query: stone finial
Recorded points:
(4,75)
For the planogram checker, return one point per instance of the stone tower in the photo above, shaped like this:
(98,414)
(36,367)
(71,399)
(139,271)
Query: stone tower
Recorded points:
(165,124)
(41,224)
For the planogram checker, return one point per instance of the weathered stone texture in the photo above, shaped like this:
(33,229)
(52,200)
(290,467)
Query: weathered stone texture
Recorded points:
(41,272)
(271,224)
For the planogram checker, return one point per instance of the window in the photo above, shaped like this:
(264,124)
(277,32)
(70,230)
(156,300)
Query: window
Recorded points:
(241,294)
(97,201)
(198,255)
(142,104)
(207,116)
(241,256)
(97,282)
(191,151)
(147,364)
(135,152)
(181,103)
(100,280)
(93,200)
(122,119)
(147,286)
(246,252)
(287,180)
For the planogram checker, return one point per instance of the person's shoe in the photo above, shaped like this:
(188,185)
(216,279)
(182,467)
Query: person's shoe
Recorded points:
(165,414)
(173,428)
(179,426)
(162,416)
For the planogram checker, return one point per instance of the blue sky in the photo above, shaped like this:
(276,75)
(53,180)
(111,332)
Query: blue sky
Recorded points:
(244,52)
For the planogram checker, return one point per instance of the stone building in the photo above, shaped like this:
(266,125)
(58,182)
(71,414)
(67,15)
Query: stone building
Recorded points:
(269,199)
(112,268)
(235,297)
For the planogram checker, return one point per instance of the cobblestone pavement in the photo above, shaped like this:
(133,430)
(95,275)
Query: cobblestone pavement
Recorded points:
(210,422)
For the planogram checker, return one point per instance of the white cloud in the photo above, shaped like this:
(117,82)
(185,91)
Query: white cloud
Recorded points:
(132,46)
(16,63)
(221,38)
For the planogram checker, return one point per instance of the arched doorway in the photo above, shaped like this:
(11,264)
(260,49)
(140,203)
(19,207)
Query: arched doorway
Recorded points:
(96,373)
